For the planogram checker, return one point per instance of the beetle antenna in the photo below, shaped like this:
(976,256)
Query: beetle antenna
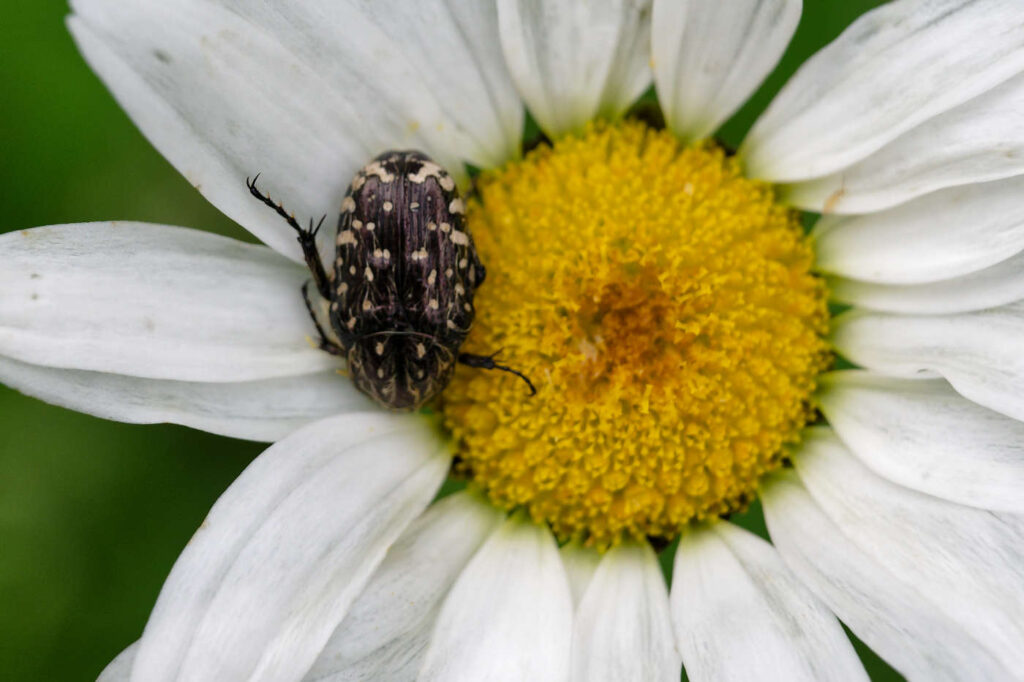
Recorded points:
(487,362)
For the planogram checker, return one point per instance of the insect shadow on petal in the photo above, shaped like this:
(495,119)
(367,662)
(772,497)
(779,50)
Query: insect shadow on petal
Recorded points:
(401,288)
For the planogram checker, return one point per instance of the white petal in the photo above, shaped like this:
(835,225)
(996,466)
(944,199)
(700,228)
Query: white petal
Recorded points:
(623,629)
(271,572)
(153,301)
(945,234)
(222,102)
(305,93)
(509,615)
(978,353)
(892,69)
(580,563)
(935,588)
(709,57)
(576,60)
(741,615)
(120,669)
(478,24)
(385,633)
(266,410)
(630,73)
(994,286)
(978,141)
(923,435)
(440,59)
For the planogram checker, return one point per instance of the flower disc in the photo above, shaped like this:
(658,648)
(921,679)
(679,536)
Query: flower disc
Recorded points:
(665,308)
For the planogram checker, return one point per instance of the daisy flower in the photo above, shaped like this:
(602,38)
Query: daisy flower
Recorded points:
(660,291)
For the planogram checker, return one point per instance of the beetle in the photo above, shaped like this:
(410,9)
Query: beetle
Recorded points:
(401,288)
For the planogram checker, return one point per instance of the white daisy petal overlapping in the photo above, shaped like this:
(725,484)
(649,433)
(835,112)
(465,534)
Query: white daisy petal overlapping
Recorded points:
(623,629)
(893,70)
(574,61)
(145,323)
(509,614)
(320,562)
(923,435)
(741,615)
(977,352)
(708,62)
(936,588)
(300,533)
(941,236)
(384,636)
(154,302)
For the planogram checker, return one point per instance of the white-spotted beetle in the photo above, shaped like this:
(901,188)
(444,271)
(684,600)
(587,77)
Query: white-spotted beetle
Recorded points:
(401,289)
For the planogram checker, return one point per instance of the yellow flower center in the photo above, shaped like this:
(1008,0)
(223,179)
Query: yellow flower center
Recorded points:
(664,306)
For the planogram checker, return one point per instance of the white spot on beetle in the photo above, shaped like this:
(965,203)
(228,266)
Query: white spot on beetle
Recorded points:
(421,350)
(432,277)
(367,305)
(368,274)
(379,348)
(378,169)
(380,373)
(348,205)
(463,263)
(461,238)
(446,182)
(460,290)
(457,206)
(343,288)
(419,254)
(371,226)
(448,273)
(432,304)
(446,227)
(431,226)
(429,169)
(358,181)
(357,224)
(388,206)
(351,269)
(467,306)
(414,206)
(346,237)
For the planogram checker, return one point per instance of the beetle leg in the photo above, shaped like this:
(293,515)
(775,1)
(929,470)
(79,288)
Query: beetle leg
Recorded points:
(487,362)
(325,343)
(306,237)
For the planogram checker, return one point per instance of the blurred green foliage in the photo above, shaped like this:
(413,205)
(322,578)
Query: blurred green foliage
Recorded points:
(93,513)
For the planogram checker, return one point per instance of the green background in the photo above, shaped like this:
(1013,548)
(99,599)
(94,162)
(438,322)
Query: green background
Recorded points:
(93,513)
